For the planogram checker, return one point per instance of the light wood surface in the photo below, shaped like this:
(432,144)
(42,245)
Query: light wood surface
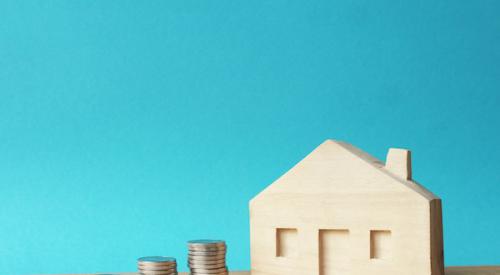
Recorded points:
(454,270)
(341,199)
(341,211)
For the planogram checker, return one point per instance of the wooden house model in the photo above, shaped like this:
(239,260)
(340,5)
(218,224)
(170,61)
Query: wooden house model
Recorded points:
(340,211)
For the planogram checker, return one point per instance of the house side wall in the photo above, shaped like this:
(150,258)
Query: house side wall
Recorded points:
(437,250)
(408,220)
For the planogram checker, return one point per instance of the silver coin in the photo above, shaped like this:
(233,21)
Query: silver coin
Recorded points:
(151,272)
(207,266)
(207,257)
(197,261)
(207,253)
(204,273)
(156,268)
(157,264)
(156,259)
(198,271)
(165,264)
(207,248)
(157,272)
(221,262)
(214,270)
(206,243)
(209,271)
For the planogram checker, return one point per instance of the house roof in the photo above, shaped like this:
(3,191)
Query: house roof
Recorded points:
(377,164)
(343,156)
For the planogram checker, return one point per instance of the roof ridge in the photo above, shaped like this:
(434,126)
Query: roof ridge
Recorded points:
(412,184)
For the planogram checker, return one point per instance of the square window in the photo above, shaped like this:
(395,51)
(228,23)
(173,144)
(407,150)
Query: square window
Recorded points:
(380,244)
(286,242)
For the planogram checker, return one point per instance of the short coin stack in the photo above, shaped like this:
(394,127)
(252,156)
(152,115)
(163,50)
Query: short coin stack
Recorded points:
(157,265)
(207,257)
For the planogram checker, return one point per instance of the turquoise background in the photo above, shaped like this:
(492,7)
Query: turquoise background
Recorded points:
(130,127)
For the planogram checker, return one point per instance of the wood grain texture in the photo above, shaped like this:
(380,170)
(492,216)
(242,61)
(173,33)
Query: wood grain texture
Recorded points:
(135,273)
(453,270)
(392,224)
(398,161)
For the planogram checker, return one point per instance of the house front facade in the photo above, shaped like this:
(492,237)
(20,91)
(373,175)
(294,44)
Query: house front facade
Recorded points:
(341,212)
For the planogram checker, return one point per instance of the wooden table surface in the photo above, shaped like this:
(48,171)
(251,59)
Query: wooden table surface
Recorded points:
(453,270)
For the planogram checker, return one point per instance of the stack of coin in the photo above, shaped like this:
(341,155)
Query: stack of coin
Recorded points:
(207,257)
(157,265)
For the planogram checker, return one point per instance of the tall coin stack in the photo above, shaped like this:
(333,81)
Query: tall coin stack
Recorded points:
(157,265)
(207,257)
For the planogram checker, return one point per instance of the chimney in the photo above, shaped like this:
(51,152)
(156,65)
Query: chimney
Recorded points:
(398,162)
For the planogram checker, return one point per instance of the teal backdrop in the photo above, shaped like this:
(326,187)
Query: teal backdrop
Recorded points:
(130,127)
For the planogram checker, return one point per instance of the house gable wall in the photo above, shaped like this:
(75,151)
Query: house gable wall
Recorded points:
(336,190)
